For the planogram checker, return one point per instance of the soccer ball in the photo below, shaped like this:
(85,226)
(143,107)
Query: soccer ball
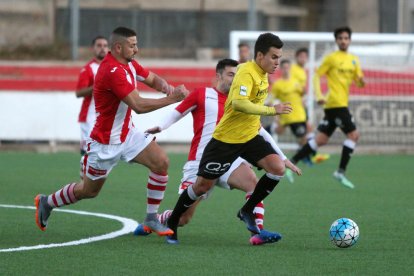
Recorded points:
(344,232)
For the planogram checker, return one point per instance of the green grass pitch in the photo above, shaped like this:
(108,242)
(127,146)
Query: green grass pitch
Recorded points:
(215,242)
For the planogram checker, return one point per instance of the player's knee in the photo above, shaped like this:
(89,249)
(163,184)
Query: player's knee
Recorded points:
(202,186)
(278,169)
(354,136)
(161,165)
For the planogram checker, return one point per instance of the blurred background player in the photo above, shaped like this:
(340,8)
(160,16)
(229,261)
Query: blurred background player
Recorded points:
(237,135)
(244,52)
(114,137)
(206,106)
(341,69)
(288,89)
(84,90)
(298,72)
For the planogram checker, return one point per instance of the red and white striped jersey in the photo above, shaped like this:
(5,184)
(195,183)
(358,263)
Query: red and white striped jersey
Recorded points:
(113,82)
(86,78)
(207,107)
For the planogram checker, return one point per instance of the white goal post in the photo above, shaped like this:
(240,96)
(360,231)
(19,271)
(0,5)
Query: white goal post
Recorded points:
(387,60)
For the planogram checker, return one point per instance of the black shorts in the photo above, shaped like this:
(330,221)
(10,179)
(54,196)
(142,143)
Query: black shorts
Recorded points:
(337,117)
(298,129)
(218,156)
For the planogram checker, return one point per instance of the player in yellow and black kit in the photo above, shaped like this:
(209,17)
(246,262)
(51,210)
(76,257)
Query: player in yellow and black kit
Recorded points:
(341,69)
(237,135)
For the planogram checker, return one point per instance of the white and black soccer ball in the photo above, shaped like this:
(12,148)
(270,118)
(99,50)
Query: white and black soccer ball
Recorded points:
(344,232)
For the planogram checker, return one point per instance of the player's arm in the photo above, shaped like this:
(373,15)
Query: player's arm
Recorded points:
(145,105)
(246,106)
(156,82)
(83,92)
(321,71)
(359,76)
(84,86)
(241,89)
(186,106)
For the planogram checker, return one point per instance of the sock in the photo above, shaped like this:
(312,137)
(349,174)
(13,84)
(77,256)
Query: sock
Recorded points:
(263,188)
(164,216)
(258,212)
(155,193)
(64,196)
(347,150)
(309,148)
(186,199)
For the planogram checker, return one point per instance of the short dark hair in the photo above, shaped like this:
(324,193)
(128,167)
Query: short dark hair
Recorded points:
(124,31)
(283,61)
(301,50)
(221,65)
(340,30)
(98,37)
(265,41)
(243,44)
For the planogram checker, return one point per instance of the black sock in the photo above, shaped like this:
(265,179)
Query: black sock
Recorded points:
(345,157)
(263,188)
(306,150)
(184,202)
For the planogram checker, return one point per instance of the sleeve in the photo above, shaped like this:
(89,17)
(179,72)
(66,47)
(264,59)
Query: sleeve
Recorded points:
(358,73)
(275,90)
(171,119)
(246,106)
(85,78)
(269,139)
(142,73)
(322,70)
(118,82)
(189,103)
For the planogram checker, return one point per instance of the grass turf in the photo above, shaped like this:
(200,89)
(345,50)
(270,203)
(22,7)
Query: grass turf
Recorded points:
(215,242)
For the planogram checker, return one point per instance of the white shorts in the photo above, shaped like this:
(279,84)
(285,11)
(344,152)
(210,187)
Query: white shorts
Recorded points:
(100,159)
(190,175)
(85,128)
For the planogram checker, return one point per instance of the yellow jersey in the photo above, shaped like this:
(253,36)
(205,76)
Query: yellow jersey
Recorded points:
(341,68)
(290,90)
(299,73)
(249,83)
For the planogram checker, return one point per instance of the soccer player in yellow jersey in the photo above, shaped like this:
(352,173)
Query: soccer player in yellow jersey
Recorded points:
(237,134)
(297,70)
(341,69)
(288,89)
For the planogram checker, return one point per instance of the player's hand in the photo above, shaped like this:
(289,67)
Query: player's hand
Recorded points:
(167,88)
(292,167)
(179,94)
(283,108)
(153,130)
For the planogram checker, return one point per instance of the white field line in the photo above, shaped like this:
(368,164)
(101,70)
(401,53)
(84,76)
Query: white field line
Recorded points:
(128,226)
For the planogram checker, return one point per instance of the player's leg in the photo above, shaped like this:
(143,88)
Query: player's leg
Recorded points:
(95,173)
(156,160)
(349,128)
(259,152)
(243,178)
(325,130)
(216,160)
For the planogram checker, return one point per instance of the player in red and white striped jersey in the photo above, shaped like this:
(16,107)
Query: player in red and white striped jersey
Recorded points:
(207,107)
(84,89)
(114,137)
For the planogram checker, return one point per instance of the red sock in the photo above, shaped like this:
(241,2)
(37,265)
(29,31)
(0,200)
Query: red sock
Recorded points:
(64,196)
(155,191)
(258,212)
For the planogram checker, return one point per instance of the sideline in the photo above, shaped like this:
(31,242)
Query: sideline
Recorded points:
(128,226)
